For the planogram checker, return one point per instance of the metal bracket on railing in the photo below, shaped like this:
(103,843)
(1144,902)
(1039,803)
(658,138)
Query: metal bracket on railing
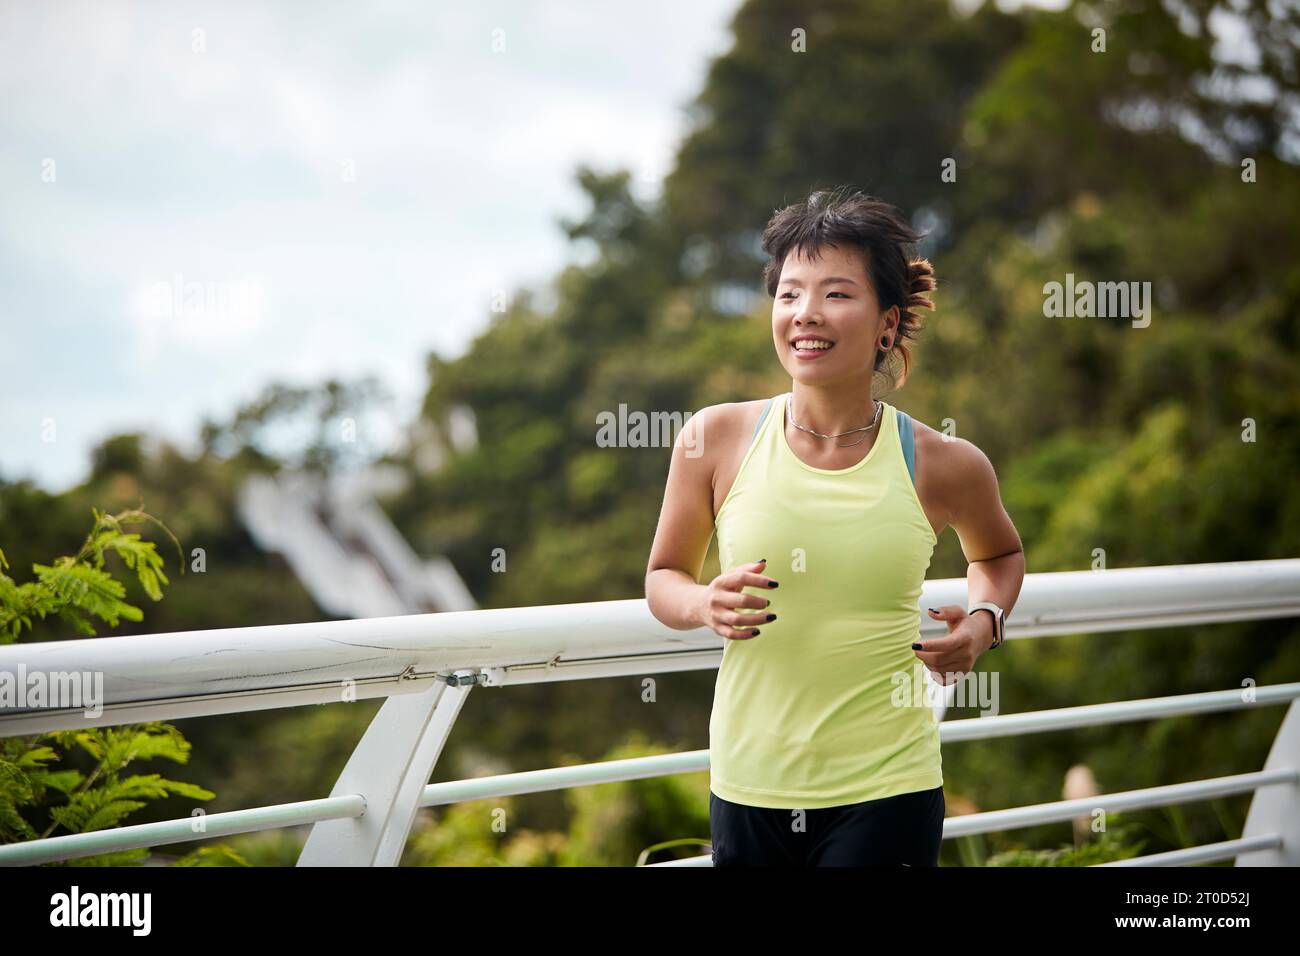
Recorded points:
(464,678)
(497,676)
(410,675)
(460,678)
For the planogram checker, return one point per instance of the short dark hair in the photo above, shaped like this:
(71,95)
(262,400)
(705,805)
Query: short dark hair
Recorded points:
(849,219)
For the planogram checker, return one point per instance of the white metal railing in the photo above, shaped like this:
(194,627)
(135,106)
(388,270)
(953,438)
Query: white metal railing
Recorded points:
(425,665)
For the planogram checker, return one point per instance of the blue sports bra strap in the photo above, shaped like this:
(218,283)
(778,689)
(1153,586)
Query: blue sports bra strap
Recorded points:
(759,423)
(908,440)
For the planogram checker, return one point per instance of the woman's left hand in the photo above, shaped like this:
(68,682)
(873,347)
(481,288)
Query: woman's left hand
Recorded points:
(951,657)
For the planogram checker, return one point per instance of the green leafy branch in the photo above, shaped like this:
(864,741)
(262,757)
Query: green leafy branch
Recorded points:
(76,587)
(93,801)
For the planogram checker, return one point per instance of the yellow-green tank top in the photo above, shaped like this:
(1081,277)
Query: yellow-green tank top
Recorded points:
(822,708)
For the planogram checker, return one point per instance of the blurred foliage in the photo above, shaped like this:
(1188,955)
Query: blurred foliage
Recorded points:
(1123,165)
(314,429)
(1119,842)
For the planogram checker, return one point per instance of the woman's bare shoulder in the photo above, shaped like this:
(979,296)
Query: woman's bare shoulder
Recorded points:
(948,467)
(951,453)
(726,429)
(727,422)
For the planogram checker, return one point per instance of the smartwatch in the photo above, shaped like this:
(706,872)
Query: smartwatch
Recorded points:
(999,619)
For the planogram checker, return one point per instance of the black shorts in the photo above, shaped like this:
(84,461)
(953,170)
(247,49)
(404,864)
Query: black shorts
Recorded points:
(903,830)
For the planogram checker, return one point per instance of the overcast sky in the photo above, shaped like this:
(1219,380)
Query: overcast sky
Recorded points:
(330,189)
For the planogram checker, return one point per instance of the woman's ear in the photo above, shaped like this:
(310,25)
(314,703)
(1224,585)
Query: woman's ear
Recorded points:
(892,316)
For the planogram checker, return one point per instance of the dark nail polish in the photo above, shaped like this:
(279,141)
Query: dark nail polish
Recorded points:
(771,617)
(771,584)
(916,647)
(755,631)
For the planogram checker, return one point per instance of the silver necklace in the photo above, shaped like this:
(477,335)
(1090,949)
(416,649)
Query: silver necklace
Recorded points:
(789,402)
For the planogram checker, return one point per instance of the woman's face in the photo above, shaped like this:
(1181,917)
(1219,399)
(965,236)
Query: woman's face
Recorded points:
(830,298)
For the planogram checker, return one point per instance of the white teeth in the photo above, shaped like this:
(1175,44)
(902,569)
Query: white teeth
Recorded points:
(809,344)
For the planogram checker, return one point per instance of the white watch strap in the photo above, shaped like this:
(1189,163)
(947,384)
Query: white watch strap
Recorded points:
(999,619)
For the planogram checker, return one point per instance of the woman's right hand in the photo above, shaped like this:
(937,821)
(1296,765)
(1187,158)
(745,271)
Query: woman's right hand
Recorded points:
(723,595)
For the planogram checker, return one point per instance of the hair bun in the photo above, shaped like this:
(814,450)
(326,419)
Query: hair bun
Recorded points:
(922,282)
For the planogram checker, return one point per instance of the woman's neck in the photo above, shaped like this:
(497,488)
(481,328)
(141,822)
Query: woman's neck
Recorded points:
(833,409)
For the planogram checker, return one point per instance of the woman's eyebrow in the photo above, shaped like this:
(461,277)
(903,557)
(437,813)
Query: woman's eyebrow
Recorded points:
(826,281)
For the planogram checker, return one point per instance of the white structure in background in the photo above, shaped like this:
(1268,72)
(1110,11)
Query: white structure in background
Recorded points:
(344,549)
(460,431)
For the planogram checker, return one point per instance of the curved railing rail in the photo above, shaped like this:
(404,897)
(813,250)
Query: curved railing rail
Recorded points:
(426,664)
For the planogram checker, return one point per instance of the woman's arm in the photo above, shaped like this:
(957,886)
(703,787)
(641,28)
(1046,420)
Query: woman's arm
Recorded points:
(672,587)
(989,539)
(995,555)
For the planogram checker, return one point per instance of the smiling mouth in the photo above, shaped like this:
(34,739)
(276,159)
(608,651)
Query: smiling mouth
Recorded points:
(812,346)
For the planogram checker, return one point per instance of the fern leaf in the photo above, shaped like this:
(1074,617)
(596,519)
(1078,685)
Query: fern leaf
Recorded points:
(94,809)
(64,781)
(121,745)
(154,786)
(13,828)
(110,814)
(77,621)
(36,757)
(90,589)
(143,558)
(15,783)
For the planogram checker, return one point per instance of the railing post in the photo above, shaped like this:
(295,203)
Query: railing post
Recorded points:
(390,768)
(1276,808)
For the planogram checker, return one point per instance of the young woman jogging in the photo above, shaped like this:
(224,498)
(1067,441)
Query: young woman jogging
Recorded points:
(823,752)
